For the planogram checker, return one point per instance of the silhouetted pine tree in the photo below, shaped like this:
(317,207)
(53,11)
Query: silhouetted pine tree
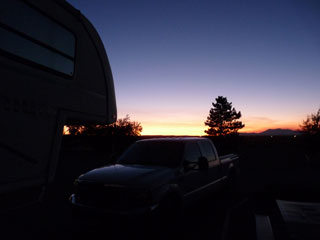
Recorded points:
(222,119)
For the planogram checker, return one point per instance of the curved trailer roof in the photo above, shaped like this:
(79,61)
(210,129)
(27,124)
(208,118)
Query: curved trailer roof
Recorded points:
(54,70)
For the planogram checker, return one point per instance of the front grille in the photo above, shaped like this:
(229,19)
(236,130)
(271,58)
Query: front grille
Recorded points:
(98,195)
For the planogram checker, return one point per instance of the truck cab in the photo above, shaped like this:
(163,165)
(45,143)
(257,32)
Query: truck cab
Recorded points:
(154,173)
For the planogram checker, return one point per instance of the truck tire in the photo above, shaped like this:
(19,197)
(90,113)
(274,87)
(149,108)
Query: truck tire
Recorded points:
(76,213)
(232,180)
(170,209)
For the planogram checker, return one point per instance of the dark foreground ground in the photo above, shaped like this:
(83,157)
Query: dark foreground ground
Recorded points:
(281,168)
(207,220)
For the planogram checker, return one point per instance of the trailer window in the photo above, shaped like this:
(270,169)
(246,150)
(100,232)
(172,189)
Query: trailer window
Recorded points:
(31,35)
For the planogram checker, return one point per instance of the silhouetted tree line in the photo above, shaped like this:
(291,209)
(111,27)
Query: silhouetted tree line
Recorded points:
(112,139)
(122,127)
(310,128)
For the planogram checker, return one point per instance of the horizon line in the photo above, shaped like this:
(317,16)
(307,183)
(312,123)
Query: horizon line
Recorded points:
(186,135)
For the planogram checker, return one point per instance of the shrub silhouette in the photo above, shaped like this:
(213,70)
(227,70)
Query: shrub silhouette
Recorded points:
(122,127)
(311,126)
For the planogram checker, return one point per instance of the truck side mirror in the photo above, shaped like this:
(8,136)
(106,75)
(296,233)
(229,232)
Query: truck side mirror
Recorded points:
(203,163)
(187,165)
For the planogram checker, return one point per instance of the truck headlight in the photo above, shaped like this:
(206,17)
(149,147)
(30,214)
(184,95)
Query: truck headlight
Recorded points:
(142,198)
(76,186)
(76,182)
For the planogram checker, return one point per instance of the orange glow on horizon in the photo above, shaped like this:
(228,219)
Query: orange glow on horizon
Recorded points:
(178,129)
(187,123)
(193,125)
(184,125)
(256,126)
(198,130)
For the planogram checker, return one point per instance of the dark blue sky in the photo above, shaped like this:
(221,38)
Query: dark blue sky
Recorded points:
(171,59)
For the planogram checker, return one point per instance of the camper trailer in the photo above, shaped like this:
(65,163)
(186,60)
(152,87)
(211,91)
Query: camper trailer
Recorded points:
(54,71)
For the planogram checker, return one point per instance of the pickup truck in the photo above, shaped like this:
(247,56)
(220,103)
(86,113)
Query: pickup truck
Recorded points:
(163,174)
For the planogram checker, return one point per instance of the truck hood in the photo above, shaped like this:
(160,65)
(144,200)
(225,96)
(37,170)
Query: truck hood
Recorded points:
(130,175)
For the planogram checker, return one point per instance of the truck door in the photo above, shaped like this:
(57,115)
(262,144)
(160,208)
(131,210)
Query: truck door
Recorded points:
(193,179)
(215,171)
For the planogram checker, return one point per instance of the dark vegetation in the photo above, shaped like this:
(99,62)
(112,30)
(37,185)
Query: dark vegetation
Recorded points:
(311,126)
(122,127)
(223,118)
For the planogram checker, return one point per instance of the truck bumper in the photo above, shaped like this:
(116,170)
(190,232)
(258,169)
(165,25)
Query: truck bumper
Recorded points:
(134,212)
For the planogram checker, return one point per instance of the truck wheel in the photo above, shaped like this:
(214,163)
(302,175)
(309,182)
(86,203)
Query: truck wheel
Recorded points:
(77,215)
(231,182)
(170,209)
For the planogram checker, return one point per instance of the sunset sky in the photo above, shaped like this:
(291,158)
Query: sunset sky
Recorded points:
(171,59)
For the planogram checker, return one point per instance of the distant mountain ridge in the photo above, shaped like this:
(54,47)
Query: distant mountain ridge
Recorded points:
(279,131)
(273,132)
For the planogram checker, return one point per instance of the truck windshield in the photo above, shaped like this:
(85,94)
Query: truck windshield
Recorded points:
(156,153)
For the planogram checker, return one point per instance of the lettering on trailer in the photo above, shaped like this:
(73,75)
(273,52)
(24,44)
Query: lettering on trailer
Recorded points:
(26,106)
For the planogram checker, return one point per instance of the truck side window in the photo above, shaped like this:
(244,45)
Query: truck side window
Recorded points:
(208,151)
(30,35)
(192,152)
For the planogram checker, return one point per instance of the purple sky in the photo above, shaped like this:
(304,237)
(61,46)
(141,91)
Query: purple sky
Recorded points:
(171,59)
